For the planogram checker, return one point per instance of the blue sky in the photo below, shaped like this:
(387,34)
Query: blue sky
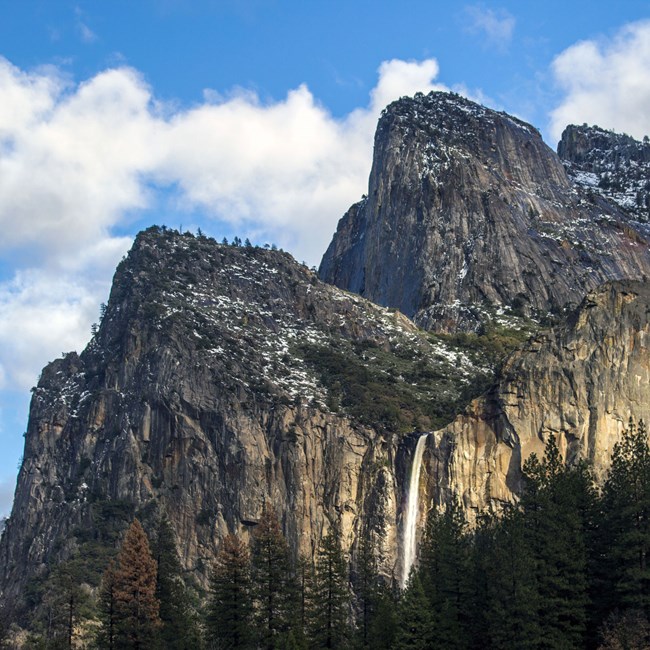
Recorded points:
(252,118)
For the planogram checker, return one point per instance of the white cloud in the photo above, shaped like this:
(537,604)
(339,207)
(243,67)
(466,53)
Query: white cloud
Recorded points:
(76,161)
(45,311)
(497,26)
(71,162)
(606,82)
(26,98)
(7,487)
(399,78)
(40,317)
(85,33)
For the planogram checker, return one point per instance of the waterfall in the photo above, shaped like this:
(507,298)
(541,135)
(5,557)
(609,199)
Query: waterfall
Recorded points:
(410,525)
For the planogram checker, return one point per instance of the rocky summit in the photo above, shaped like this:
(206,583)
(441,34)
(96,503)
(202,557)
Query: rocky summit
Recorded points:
(468,212)
(613,165)
(221,378)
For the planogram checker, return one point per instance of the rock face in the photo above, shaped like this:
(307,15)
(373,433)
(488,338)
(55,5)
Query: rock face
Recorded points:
(468,211)
(613,165)
(221,378)
(580,383)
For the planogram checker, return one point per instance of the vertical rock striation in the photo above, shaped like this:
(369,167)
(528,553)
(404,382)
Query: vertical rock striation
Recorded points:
(579,383)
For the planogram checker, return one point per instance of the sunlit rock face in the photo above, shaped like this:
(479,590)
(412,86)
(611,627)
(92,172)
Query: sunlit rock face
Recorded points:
(579,383)
(469,211)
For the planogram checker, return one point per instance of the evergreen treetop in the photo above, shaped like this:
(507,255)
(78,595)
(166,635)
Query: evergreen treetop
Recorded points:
(137,617)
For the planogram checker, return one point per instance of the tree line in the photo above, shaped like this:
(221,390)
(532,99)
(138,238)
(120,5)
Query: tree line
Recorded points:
(141,602)
(566,567)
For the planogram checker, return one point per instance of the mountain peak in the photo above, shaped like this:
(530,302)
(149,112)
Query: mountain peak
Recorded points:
(612,165)
(468,212)
(222,377)
(447,111)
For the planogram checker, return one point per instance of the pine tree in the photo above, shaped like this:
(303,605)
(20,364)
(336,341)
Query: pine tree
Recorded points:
(626,506)
(480,563)
(65,604)
(366,590)
(230,610)
(555,506)
(179,628)
(134,588)
(291,642)
(330,598)
(415,628)
(383,622)
(75,599)
(107,609)
(506,598)
(301,602)
(273,586)
(375,602)
(446,576)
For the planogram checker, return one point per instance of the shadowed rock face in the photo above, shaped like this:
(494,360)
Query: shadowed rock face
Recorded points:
(468,210)
(580,383)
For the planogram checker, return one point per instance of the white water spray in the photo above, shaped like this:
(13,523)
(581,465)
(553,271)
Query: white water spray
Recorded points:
(412,511)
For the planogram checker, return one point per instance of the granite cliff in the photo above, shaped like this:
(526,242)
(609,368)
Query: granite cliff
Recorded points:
(468,212)
(580,383)
(219,378)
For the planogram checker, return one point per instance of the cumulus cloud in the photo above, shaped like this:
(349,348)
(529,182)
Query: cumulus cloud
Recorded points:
(606,82)
(47,311)
(71,158)
(398,78)
(77,161)
(39,315)
(496,26)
